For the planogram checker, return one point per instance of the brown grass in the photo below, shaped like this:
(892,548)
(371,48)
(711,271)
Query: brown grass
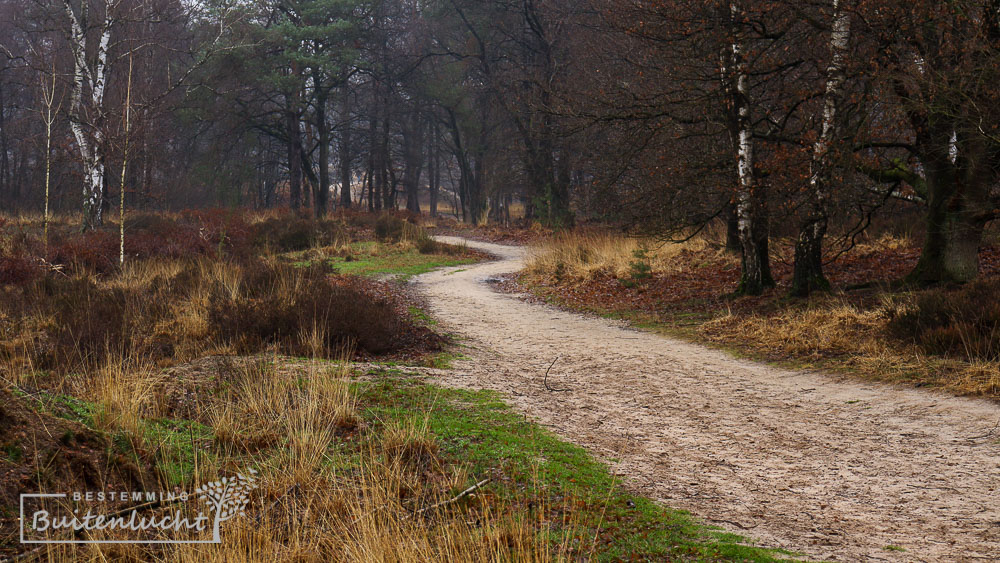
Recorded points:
(332,488)
(949,337)
(582,256)
(314,503)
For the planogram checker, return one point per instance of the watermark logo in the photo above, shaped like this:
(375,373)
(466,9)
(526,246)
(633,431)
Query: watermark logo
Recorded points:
(47,518)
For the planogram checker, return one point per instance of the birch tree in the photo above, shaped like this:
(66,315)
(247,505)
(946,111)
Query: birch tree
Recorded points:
(86,111)
(808,273)
(48,112)
(750,202)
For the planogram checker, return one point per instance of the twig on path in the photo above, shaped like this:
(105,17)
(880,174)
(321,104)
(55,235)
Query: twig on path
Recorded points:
(545,380)
(988,434)
(737,524)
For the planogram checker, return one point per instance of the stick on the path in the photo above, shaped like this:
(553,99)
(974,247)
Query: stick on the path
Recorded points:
(545,380)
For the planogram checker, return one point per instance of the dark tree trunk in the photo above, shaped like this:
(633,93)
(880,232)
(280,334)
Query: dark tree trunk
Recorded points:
(5,184)
(374,191)
(732,229)
(321,200)
(433,169)
(413,141)
(293,131)
(388,182)
(951,247)
(345,152)
(958,209)
(561,216)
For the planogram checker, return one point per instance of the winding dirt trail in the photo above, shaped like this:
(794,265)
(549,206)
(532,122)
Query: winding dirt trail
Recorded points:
(838,470)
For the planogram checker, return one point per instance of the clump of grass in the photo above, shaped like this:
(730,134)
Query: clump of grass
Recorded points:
(125,395)
(961,323)
(393,228)
(574,255)
(409,444)
(835,333)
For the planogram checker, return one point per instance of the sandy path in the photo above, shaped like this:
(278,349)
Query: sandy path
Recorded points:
(834,469)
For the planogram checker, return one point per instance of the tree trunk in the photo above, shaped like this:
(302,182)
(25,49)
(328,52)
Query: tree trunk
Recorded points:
(561,216)
(434,169)
(345,151)
(951,247)
(294,157)
(413,149)
(87,123)
(321,200)
(808,273)
(958,208)
(732,229)
(4,160)
(387,183)
(751,206)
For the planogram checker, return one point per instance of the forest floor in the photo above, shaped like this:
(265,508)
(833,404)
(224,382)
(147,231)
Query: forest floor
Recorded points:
(806,461)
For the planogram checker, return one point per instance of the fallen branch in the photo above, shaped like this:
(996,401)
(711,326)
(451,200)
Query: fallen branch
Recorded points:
(732,523)
(988,434)
(454,499)
(545,380)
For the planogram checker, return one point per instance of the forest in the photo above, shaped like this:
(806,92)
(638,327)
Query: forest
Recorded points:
(375,259)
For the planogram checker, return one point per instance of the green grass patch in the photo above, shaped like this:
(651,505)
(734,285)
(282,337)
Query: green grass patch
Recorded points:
(421,316)
(533,470)
(444,360)
(11,452)
(62,406)
(178,445)
(404,261)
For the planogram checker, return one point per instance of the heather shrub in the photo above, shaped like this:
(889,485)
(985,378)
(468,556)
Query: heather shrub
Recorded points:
(392,228)
(290,233)
(18,269)
(176,311)
(267,313)
(963,323)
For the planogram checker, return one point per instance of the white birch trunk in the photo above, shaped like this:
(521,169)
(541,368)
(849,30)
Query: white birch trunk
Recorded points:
(755,276)
(87,112)
(835,76)
(808,274)
(744,141)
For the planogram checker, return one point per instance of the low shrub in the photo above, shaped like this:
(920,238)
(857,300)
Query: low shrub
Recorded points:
(18,269)
(280,305)
(165,311)
(290,233)
(962,323)
(430,246)
(394,228)
(96,251)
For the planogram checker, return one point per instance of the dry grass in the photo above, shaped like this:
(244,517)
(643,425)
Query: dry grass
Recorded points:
(576,255)
(831,332)
(125,395)
(858,332)
(315,503)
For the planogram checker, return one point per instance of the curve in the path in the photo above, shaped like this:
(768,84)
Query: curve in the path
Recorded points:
(835,469)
